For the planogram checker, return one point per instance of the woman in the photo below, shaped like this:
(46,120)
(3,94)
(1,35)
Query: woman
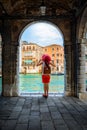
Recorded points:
(45,61)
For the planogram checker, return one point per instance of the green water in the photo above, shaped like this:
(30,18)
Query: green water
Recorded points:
(33,83)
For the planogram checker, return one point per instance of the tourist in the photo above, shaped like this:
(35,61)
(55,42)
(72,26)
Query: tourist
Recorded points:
(45,61)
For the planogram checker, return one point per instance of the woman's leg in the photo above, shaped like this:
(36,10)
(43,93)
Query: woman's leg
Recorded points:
(46,89)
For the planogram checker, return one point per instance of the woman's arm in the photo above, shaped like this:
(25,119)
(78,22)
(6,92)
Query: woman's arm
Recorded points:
(52,64)
(39,63)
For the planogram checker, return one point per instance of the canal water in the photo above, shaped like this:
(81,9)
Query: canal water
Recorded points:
(32,83)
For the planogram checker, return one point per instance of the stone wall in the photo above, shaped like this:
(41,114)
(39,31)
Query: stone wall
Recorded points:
(11,34)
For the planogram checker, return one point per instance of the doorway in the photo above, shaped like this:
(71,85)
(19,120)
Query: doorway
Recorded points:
(36,39)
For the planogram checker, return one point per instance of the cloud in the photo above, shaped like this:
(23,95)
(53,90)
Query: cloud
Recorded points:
(43,33)
(46,30)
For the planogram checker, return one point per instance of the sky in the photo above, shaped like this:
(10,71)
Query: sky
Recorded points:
(43,34)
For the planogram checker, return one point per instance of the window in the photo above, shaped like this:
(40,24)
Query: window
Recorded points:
(29,47)
(57,61)
(53,55)
(57,54)
(57,68)
(33,48)
(23,48)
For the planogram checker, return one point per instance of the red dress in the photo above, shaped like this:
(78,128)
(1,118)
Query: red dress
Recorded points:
(45,77)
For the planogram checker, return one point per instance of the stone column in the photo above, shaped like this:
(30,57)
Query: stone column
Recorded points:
(68,70)
(81,74)
(9,60)
(15,71)
(6,58)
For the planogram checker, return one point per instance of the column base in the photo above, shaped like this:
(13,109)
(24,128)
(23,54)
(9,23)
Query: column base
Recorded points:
(15,91)
(83,96)
(10,90)
(67,93)
(7,91)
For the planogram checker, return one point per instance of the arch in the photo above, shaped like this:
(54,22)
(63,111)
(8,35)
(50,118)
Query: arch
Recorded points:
(81,24)
(41,22)
(82,46)
(17,27)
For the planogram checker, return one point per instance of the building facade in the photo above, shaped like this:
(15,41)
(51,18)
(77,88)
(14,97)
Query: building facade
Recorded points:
(56,53)
(31,53)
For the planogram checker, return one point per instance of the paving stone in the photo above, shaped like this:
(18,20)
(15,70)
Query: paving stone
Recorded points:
(14,115)
(44,109)
(35,113)
(21,127)
(85,127)
(34,117)
(45,116)
(17,108)
(23,119)
(10,123)
(53,109)
(61,128)
(34,125)
(56,115)
(7,128)
(38,113)
(47,125)
(59,122)
(67,116)
(2,122)
(25,111)
(73,125)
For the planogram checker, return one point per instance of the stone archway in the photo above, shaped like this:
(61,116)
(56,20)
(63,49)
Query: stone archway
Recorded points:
(82,48)
(11,32)
(36,23)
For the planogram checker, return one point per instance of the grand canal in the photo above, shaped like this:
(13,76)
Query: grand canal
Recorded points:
(32,83)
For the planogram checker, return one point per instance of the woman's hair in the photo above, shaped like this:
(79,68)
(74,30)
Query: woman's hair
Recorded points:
(47,64)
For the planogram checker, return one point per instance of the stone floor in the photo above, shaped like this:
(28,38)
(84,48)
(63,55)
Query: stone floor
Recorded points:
(39,113)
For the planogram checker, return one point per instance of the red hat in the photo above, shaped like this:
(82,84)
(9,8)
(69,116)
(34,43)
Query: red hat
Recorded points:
(46,57)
